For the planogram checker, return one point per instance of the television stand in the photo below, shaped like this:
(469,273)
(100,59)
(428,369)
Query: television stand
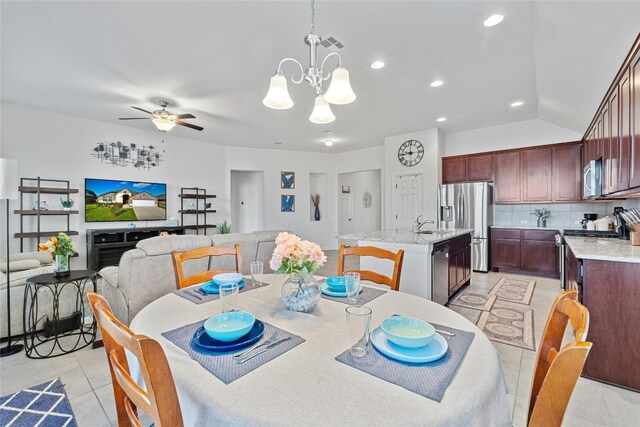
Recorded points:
(106,246)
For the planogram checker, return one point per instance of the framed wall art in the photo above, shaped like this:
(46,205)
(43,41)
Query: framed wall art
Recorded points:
(287,203)
(288,180)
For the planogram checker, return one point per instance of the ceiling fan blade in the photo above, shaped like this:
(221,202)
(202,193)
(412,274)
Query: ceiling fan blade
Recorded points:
(185,116)
(141,109)
(134,118)
(189,125)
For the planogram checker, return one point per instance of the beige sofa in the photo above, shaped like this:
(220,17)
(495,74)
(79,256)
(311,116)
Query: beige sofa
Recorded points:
(22,266)
(146,272)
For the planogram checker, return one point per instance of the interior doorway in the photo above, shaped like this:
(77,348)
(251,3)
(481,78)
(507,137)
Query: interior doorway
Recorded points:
(359,204)
(407,200)
(247,201)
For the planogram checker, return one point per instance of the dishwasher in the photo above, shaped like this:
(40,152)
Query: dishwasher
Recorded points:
(440,273)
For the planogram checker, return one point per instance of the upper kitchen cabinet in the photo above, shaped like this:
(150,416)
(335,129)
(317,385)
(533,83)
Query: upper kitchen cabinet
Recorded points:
(454,169)
(536,175)
(625,132)
(567,174)
(506,174)
(634,156)
(480,168)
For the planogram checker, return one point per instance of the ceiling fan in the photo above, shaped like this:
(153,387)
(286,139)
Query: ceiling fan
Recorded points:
(164,119)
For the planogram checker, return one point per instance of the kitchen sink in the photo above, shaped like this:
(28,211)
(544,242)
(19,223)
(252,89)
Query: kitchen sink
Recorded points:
(426,232)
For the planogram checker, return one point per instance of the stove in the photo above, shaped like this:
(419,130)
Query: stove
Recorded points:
(590,233)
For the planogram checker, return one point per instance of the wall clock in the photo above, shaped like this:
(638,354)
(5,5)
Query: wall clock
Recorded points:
(410,152)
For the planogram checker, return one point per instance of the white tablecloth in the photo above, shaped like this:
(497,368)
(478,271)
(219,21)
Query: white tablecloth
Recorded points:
(307,386)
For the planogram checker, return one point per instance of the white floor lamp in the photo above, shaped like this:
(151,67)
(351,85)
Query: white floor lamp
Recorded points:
(9,191)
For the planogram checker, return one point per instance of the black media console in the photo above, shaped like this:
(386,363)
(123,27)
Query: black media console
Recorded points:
(106,246)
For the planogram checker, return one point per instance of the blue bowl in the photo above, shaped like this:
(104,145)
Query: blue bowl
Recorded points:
(336,284)
(230,326)
(224,278)
(408,331)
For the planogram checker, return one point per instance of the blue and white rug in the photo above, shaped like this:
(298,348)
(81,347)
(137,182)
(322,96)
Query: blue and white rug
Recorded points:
(45,405)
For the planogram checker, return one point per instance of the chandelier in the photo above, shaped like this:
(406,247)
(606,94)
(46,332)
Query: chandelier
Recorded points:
(339,91)
(119,154)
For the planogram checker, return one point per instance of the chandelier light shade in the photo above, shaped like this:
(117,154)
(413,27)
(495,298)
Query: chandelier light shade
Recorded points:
(163,125)
(321,112)
(278,96)
(340,92)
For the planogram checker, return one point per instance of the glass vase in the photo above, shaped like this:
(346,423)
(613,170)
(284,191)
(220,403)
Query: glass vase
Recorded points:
(61,266)
(301,292)
(542,222)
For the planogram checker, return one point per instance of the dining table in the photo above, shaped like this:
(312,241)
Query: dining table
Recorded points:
(307,386)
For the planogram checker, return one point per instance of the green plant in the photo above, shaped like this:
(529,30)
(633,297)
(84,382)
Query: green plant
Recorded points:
(542,213)
(66,203)
(224,227)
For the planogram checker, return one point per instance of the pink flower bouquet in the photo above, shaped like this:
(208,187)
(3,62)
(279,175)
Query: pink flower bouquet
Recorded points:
(293,255)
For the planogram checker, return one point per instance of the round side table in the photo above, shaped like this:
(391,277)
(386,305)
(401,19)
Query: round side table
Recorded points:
(71,325)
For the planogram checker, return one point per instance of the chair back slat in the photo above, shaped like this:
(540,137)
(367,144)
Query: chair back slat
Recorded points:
(557,369)
(160,399)
(207,251)
(396,257)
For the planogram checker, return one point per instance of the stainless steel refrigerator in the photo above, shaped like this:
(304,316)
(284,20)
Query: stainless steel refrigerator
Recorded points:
(469,205)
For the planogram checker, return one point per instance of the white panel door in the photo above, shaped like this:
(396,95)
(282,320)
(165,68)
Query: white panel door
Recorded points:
(407,200)
(346,213)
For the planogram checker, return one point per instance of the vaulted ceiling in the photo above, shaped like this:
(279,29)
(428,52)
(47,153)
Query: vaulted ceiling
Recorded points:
(214,59)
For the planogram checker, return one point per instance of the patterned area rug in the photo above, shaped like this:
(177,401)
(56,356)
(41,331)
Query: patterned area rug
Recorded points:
(514,290)
(475,301)
(509,325)
(45,405)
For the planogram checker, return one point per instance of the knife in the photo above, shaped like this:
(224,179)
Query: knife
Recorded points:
(262,350)
(445,333)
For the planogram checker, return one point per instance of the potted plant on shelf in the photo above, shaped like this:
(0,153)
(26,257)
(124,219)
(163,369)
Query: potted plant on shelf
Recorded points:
(62,247)
(543,214)
(298,259)
(66,204)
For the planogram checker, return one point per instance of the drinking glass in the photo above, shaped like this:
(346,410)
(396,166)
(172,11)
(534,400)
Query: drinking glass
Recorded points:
(352,284)
(229,296)
(257,269)
(358,321)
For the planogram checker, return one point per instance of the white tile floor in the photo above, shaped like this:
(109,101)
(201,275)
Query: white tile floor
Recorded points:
(86,376)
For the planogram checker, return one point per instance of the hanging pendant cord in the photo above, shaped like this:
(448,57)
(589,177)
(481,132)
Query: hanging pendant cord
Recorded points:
(313,17)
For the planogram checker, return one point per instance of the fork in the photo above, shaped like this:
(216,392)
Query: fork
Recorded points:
(268,341)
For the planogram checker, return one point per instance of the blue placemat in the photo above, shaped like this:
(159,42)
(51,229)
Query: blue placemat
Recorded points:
(430,379)
(222,365)
(191,293)
(368,294)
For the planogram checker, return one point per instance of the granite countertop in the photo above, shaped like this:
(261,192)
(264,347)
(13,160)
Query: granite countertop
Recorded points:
(603,249)
(407,236)
(533,227)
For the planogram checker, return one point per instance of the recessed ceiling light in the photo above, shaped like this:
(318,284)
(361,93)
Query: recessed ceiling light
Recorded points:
(493,20)
(376,65)
(436,83)
(328,142)
(277,143)
(517,104)
(441,119)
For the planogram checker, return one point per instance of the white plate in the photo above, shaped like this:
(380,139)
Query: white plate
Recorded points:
(429,353)
(325,289)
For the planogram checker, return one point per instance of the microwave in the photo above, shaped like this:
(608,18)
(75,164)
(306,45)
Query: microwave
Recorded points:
(593,179)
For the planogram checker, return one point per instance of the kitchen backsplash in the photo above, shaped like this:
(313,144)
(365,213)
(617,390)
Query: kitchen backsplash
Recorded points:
(562,214)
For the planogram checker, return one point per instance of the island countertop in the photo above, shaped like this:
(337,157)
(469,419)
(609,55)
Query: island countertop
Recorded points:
(407,236)
(603,249)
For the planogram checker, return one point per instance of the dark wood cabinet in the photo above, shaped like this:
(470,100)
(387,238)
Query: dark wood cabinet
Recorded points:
(567,174)
(506,173)
(624,145)
(454,169)
(480,168)
(459,262)
(536,175)
(634,156)
(525,251)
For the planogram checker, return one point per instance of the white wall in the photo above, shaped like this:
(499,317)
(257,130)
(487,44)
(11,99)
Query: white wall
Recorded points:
(513,135)
(58,146)
(363,219)
(247,201)
(429,167)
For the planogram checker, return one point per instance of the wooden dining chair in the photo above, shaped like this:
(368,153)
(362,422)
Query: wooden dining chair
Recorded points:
(557,370)
(207,251)
(393,282)
(158,399)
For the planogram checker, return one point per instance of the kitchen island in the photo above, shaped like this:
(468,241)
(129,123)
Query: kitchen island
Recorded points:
(418,274)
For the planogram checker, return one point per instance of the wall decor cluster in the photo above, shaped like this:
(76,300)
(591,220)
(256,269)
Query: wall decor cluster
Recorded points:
(121,154)
(287,182)
(287,203)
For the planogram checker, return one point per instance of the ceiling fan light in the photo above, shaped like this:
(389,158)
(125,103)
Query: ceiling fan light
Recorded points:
(163,125)
(340,91)
(278,95)
(321,111)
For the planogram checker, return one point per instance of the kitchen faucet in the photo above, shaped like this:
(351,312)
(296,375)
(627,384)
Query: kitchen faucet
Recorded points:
(418,225)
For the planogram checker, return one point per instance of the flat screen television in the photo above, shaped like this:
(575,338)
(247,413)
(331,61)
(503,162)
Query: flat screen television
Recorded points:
(108,200)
